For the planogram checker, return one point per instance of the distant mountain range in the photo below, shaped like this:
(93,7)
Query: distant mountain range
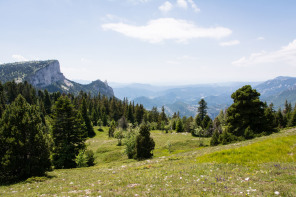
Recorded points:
(47,75)
(218,96)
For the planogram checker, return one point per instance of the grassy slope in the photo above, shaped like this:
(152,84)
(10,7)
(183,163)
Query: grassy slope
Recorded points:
(258,167)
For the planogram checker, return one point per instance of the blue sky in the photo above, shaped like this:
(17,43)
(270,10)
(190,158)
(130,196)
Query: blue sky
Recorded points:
(154,41)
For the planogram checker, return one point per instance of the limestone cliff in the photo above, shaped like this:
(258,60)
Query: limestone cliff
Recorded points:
(47,75)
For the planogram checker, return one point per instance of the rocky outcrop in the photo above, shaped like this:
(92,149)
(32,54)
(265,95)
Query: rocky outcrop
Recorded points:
(47,75)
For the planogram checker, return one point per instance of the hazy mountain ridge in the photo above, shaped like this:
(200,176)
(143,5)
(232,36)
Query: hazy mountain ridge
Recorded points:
(218,96)
(47,75)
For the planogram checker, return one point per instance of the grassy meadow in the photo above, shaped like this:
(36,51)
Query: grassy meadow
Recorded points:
(264,166)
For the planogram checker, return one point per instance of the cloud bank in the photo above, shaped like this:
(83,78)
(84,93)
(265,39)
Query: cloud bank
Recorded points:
(286,54)
(19,58)
(162,29)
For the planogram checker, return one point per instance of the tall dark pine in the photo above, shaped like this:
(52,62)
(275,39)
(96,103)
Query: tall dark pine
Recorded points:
(47,102)
(68,133)
(246,111)
(202,109)
(144,143)
(87,121)
(2,99)
(24,150)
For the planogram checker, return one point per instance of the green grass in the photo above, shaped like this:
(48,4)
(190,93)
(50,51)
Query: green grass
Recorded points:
(189,170)
(281,149)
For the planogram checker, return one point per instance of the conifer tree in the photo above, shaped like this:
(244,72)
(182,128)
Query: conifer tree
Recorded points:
(202,109)
(246,111)
(68,133)
(88,124)
(24,150)
(179,126)
(144,143)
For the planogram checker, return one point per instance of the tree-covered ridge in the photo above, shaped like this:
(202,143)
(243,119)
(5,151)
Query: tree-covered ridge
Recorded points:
(20,71)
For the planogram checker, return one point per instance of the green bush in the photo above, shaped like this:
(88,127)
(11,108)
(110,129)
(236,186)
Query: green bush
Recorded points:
(130,145)
(85,158)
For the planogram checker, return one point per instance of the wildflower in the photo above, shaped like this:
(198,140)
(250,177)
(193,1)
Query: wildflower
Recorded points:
(180,177)
(246,179)
(276,193)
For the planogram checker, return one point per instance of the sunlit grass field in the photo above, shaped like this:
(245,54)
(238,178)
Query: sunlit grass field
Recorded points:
(263,166)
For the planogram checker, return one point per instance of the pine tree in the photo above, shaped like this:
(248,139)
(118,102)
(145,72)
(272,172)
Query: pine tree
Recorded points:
(47,102)
(144,143)
(179,126)
(247,111)
(24,150)
(2,99)
(68,133)
(202,109)
(89,127)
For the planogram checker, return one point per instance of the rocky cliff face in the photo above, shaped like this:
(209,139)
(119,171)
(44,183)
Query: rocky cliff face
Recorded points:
(47,75)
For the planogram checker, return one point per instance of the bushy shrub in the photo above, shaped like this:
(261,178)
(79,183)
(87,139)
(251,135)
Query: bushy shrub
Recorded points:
(130,145)
(85,158)
(215,138)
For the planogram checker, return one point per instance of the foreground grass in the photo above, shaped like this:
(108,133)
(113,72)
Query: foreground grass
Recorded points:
(188,170)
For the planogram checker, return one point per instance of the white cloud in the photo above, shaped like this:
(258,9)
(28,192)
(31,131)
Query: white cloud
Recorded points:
(166,7)
(286,54)
(230,43)
(19,58)
(194,6)
(182,3)
(260,38)
(167,29)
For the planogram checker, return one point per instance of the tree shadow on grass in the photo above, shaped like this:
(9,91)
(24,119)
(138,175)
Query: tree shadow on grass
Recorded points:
(33,179)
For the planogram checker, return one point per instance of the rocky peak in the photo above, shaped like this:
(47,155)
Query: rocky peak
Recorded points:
(47,75)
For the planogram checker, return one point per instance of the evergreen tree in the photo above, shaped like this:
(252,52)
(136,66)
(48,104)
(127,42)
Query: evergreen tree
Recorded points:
(139,113)
(24,151)
(202,109)
(47,102)
(2,99)
(246,111)
(89,127)
(68,133)
(292,121)
(130,115)
(162,115)
(179,126)
(280,119)
(144,143)
(215,138)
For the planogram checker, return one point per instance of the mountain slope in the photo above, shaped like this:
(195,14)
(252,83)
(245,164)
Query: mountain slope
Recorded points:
(47,75)
(278,90)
